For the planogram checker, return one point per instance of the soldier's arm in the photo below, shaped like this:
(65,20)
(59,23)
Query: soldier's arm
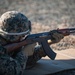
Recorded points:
(37,55)
(8,65)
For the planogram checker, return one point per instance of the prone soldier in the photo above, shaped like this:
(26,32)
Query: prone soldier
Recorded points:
(14,27)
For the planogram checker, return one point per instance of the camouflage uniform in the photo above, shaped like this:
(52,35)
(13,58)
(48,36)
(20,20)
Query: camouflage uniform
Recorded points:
(12,22)
(13,27)
(9,65)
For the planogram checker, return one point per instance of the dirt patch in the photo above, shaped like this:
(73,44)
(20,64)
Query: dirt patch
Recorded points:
(46,15)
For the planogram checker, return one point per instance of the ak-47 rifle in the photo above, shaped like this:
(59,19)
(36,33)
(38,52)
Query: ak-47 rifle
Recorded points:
(41,38)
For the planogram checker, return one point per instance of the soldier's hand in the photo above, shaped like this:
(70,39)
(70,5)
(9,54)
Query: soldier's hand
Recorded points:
(56,37)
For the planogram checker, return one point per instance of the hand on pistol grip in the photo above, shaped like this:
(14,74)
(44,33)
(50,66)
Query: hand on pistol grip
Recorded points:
(56,36)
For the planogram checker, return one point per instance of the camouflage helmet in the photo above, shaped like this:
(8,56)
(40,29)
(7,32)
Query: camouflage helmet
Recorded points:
(14,24)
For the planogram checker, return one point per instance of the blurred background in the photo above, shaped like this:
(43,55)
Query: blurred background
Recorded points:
(46,15)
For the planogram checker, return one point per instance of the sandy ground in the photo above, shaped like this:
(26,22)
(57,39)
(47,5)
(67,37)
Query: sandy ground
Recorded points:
(64,54)
(46,15)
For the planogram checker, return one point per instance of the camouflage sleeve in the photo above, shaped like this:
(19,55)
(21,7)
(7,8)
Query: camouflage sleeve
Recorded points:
(10,66)
(38,54)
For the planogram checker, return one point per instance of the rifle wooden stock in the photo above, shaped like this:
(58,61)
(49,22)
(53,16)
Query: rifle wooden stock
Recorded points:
(14,46)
